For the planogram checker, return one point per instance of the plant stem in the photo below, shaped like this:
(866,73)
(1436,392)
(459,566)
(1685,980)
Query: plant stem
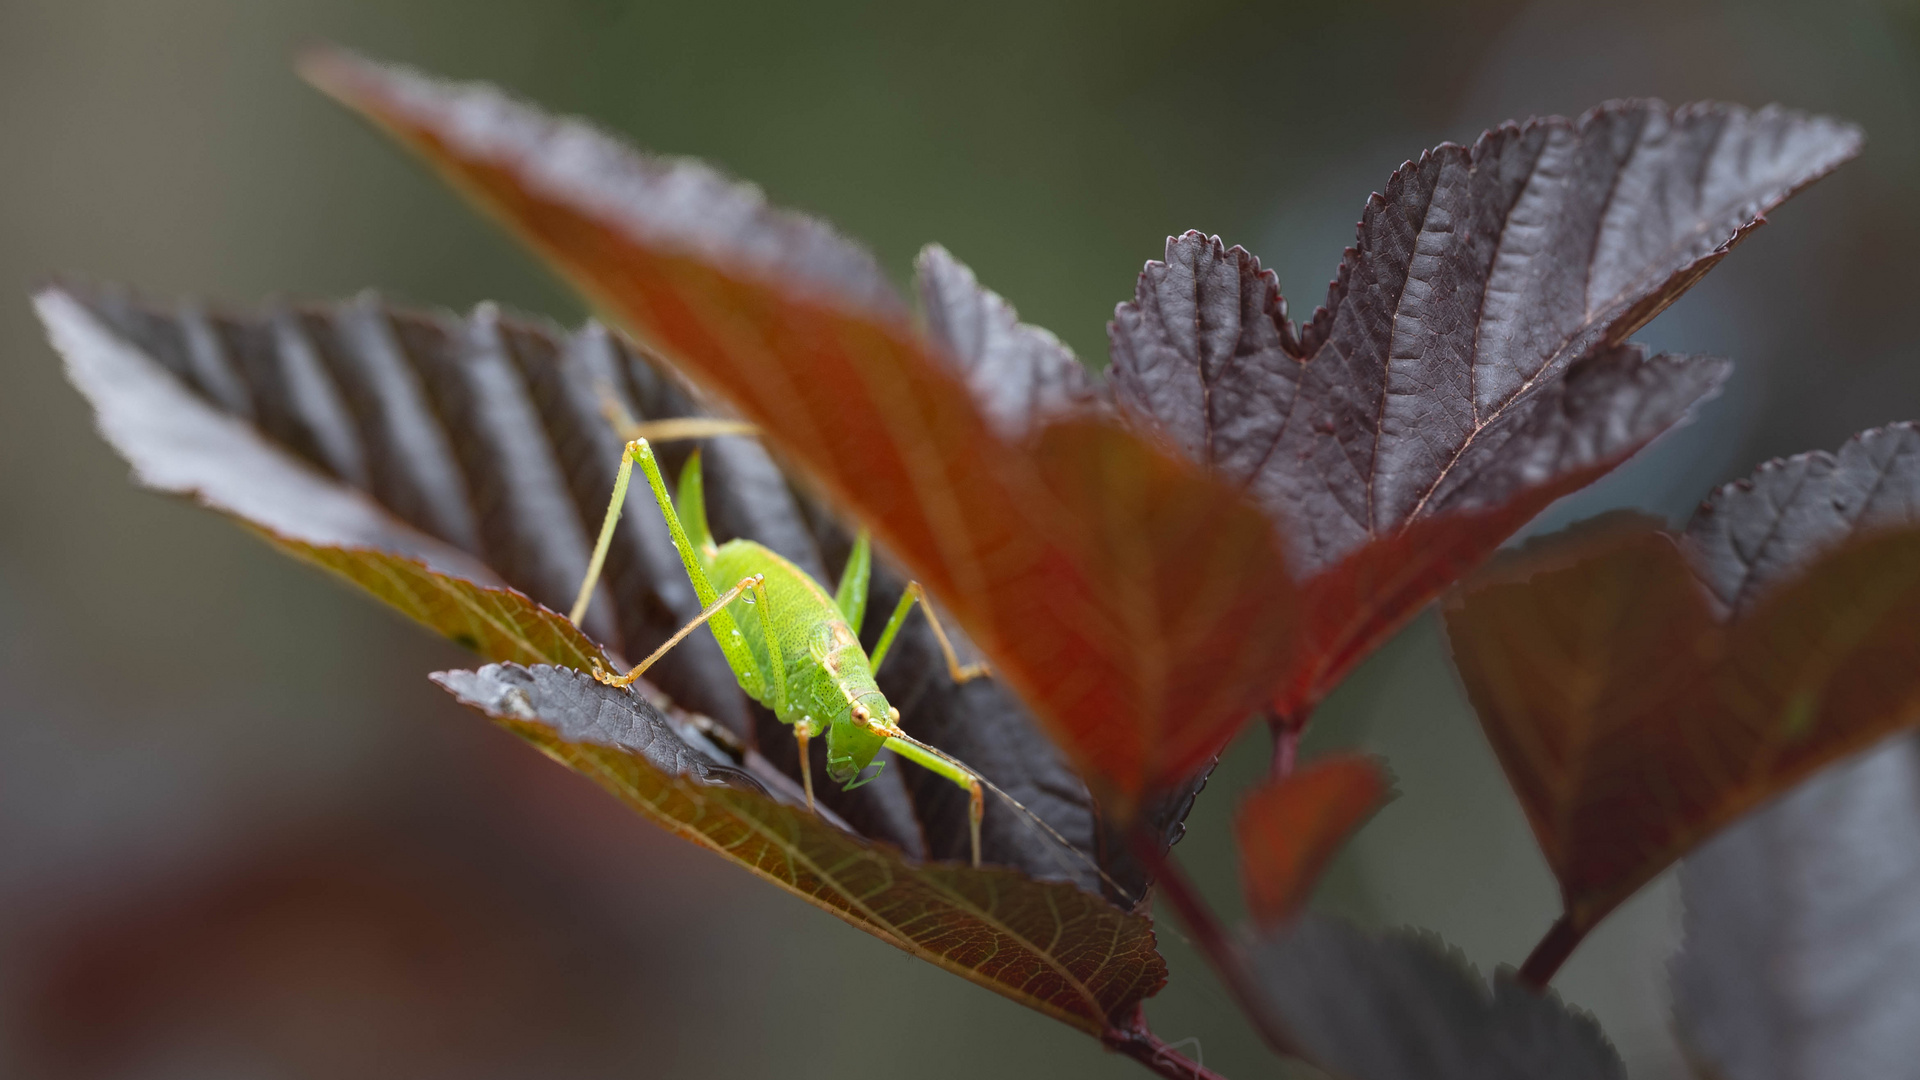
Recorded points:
(1142,1045)
(1553,950)
(1286,748)
(1210,937)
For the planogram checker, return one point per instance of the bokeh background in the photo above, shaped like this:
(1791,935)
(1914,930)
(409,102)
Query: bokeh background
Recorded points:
(242,836)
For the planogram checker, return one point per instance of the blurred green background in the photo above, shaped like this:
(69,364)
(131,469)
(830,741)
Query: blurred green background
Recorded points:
(242,836)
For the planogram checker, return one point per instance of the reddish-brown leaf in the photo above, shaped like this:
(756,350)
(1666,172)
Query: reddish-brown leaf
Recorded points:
(1290,828)
(1135,603)
(1829,871)
(1633,720)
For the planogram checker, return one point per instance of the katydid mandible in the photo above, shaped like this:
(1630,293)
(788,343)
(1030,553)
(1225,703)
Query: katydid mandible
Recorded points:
(798,652)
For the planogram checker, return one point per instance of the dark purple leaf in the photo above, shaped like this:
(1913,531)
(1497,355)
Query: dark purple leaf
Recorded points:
(1801,953)
(1205,353)
(1022,376)
(1405,1006)
(581,710)
(1471,358)
(153,407)
(1756,533)
(1483,272)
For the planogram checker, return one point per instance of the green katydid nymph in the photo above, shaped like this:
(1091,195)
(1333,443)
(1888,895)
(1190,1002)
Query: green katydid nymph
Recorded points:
(793,647)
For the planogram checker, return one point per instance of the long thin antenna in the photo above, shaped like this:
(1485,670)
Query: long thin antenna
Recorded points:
(1029,816)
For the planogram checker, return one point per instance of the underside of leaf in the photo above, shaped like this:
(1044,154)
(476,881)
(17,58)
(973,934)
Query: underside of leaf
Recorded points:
(1046,945)
(1801,949)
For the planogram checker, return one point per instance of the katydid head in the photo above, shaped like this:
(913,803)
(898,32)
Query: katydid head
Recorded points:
(855,736)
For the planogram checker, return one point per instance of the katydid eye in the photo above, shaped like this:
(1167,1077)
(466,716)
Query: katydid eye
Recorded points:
(860,713)
(893,714)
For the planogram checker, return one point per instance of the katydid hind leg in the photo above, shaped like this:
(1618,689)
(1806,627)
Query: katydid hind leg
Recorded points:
(914,593)
(639,450)
(725,631)
(683,428)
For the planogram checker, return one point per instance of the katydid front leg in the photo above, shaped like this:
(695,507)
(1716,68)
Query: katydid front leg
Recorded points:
(915,592)
(935,761)
(852,599)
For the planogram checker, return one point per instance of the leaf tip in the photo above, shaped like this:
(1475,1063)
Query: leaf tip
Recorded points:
(329,67)
(1578,543)
(339,72)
